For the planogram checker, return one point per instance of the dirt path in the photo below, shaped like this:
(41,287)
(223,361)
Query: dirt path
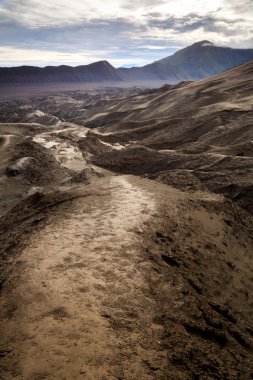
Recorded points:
(65,152)
(82,308)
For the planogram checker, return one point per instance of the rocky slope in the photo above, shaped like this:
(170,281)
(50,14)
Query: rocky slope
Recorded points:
(201,129)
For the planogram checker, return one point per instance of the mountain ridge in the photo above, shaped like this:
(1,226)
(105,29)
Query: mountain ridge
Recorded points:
(197,61)
(97,71)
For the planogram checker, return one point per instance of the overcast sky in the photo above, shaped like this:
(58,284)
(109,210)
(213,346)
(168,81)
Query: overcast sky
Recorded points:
(124,32)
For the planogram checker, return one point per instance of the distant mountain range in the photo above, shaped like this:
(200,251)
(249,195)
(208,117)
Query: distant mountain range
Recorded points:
(200,60)
(96,72)
(197,61)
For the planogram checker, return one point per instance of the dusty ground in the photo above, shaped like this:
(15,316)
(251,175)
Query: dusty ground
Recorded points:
(75,281)
(117,285)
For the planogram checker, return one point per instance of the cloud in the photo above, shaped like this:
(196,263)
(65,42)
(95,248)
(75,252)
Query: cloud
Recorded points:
(80,30)
(152,47)
(193,22)
(10,56)
(38,13)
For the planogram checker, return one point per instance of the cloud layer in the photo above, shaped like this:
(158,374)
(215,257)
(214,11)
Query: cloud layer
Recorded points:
(125,32)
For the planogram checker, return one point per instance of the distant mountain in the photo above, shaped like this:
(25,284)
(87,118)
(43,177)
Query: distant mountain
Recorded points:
(200,60)
(95,72)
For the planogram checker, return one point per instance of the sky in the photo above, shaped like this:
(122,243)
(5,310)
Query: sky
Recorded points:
(124,32)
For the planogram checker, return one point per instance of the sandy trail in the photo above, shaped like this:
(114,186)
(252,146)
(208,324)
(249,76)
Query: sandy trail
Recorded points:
(7,139)
(65,152)
(82,307)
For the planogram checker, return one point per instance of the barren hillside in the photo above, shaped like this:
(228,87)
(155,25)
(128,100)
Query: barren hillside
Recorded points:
(126,234)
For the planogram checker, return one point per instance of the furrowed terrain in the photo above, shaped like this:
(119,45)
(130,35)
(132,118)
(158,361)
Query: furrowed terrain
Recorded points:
(126,232)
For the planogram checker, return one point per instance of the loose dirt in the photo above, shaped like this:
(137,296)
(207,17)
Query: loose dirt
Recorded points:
(127,280)
(82,306)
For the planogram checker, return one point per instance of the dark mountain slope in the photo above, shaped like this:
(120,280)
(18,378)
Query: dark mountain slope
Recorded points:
(205,59)
(95,72)
(197,61)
